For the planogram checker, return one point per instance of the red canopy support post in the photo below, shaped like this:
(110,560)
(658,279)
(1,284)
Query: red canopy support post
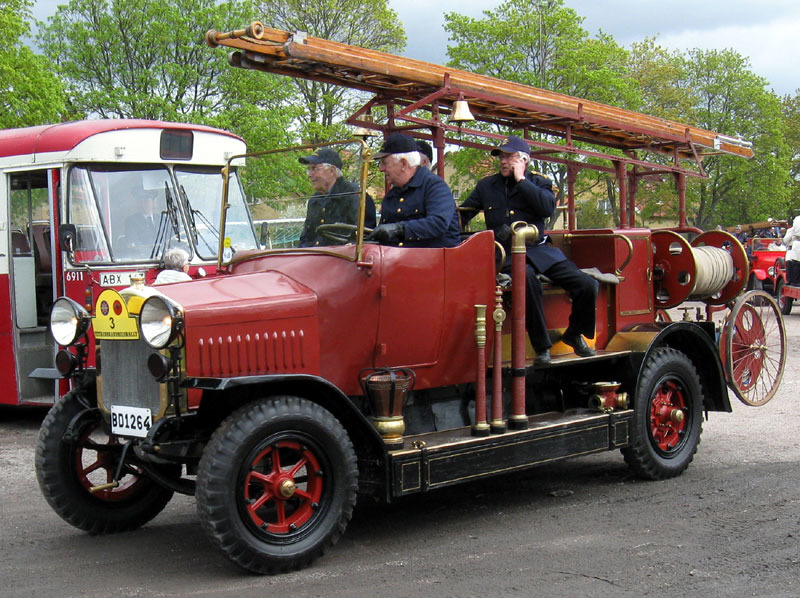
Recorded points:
(619,166)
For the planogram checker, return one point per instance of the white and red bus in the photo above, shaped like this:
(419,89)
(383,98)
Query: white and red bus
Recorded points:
(86,204)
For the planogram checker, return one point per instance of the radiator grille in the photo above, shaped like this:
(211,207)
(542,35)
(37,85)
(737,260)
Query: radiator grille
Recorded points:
(125,379)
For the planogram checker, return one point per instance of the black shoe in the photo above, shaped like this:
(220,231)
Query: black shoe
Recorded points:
(542,357)
(578,345)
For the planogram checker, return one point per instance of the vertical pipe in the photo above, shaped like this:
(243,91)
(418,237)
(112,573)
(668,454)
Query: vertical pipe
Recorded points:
(497,425)
(521,231)
(623,204)
(680,184)
(572,176)
(480,427)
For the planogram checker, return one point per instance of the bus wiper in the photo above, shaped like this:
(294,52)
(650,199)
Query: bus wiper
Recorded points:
(203,219)
(169,215)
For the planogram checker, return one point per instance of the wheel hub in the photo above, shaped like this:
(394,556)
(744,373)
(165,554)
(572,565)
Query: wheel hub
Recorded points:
(286,488)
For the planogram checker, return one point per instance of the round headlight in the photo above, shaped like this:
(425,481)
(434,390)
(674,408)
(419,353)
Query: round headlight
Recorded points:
(160,321)
(69,321)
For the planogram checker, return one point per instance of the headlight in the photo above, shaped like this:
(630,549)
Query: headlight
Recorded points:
(160,321)
(68,321)
(771,270)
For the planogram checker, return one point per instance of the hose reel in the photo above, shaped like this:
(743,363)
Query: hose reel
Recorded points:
(713,268)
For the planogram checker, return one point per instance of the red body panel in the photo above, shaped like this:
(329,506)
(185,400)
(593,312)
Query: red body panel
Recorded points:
(8,370)
(327,316)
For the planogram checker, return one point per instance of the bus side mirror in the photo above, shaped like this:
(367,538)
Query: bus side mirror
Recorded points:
(66,237)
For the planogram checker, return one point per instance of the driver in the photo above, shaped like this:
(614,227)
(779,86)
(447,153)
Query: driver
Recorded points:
(141,226)
(335,199)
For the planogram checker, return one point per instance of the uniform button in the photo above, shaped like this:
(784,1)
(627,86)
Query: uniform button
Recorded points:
(322,220)
(489,208)
(416,211)
(511,212)
(400,244)
(402,199)
(399,210)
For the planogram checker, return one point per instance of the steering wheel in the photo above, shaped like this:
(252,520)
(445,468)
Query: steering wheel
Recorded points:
(340,233)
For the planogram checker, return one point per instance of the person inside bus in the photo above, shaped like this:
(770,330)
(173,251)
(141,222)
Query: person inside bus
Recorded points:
(176,267)
(418,210)
(335,199)
(514,194)
(141,226)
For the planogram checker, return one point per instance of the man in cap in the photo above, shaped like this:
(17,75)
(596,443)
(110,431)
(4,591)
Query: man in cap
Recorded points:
(419,209)
(518,194)
(425,153)
(335,199)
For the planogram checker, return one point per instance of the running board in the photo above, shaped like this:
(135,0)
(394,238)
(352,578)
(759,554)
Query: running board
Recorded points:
(438,459)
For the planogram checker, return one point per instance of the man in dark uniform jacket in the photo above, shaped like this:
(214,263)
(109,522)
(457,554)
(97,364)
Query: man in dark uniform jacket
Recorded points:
(517,194)
(335,200)
(419,209)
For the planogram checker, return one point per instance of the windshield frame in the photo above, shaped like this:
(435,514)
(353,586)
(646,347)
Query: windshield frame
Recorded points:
(365,157)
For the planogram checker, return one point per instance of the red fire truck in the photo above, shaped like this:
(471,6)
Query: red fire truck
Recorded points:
(69,195)
(300,378)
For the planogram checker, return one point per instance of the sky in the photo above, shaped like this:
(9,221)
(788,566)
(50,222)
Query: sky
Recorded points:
(766,31)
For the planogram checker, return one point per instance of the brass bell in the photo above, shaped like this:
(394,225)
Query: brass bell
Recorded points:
(461,112)
(363,131)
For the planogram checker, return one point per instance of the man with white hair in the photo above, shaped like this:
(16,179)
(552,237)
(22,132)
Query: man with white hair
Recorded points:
(176,267)
(335,199)
(518,194)
(792,241)
(419,209)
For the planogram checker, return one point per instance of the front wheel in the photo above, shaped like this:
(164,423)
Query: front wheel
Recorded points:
(277,484)
(75,464)
(668,416)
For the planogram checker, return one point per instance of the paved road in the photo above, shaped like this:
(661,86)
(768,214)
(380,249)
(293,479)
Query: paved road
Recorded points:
(730,526)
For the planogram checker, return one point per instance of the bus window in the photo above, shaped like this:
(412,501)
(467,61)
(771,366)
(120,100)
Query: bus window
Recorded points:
(202,191)
(134,211)
(90,242)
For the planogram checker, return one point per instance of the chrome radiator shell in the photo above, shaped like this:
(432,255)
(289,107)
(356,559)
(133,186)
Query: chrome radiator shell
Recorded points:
(125,380)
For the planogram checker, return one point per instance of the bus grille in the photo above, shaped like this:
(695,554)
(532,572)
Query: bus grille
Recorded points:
(125,379)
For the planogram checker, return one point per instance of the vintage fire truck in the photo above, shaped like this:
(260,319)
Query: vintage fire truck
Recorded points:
(300,378)
(88,181)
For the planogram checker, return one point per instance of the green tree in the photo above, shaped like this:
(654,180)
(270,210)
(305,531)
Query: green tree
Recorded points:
(147,59)
(366,23)
(730,99)
(791,115)
(542,44)
(29,92)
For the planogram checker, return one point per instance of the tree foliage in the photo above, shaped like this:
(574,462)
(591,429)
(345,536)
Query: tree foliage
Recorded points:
(366,23)
(29,93)
(542,44)
(147,59)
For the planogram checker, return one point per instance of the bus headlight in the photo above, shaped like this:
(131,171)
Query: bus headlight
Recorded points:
(69,321)
(160,321)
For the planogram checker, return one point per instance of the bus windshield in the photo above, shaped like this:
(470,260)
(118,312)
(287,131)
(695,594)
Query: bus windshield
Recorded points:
(201,193)
(133,215)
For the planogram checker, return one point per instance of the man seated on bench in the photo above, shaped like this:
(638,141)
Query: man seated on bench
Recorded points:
(518,194)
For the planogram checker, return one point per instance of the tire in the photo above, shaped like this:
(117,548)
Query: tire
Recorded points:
(66,470)
(754,284)
(268,516)
(784,303)
(663,443)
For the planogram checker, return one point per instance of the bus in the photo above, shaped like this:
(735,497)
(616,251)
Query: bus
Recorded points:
(87,204)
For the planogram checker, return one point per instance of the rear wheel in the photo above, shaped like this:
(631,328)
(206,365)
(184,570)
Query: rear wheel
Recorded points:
(277,484)
(667,418)
(784,302)
(75,455)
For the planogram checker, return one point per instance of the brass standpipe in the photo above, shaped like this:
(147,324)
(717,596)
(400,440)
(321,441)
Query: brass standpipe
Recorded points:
(497,424)
(480,427)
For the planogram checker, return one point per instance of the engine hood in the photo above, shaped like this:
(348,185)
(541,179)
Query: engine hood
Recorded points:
(251,297)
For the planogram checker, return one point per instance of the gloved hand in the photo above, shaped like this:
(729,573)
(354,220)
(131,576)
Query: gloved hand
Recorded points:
(389,234)
(503,234)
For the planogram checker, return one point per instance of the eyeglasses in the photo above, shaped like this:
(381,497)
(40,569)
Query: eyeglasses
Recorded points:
(315,167)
